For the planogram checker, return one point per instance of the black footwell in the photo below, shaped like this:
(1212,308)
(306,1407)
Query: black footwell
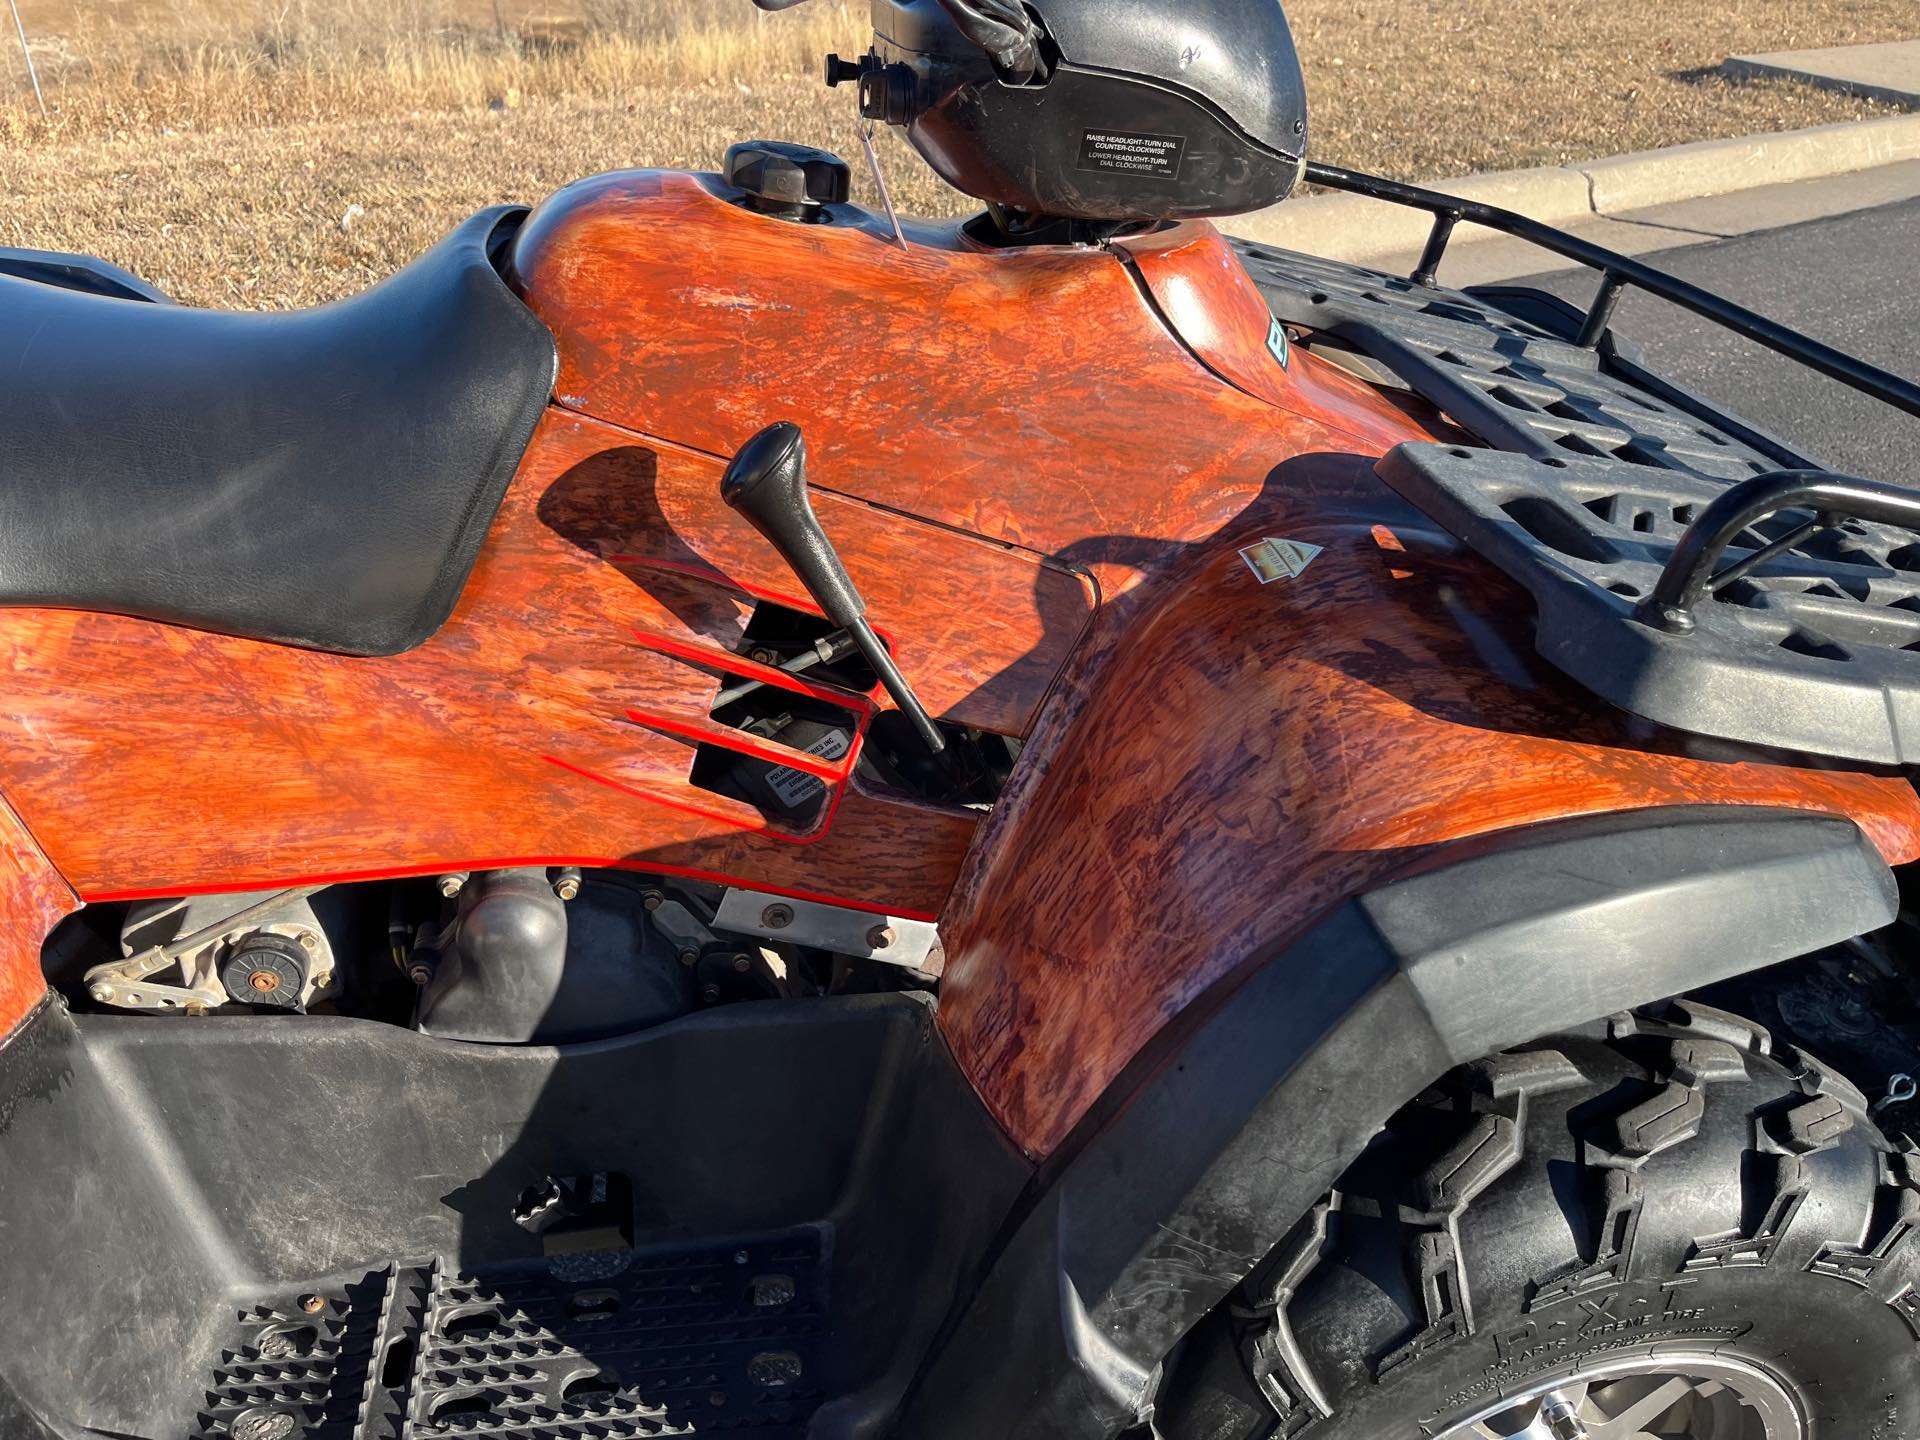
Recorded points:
(578,1347)
(793,1198)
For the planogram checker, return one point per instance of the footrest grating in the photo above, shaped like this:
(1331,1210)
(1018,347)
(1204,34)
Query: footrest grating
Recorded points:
(581,1347)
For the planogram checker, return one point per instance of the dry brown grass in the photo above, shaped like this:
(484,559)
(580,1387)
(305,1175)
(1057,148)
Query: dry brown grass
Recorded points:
(219,147)
(135,65)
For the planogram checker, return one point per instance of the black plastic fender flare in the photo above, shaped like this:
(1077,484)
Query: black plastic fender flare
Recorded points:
(1213,1145)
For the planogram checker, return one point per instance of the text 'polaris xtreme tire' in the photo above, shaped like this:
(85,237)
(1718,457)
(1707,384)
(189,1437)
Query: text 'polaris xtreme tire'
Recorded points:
(1674,1229)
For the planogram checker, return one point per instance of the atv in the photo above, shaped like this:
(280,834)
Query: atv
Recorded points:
(711,811)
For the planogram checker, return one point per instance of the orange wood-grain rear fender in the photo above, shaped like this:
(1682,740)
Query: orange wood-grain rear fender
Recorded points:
(1249,755)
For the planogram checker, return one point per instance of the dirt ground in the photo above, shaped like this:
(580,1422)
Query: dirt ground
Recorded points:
(258,156)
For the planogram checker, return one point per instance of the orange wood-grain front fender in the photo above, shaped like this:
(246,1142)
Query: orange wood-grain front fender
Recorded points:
(1245,756)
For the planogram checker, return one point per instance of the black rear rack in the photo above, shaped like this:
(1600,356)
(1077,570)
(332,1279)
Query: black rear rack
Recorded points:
(1617,272)
(1685,565)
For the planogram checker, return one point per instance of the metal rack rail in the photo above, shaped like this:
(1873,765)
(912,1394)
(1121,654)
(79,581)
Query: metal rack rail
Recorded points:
(1617,273)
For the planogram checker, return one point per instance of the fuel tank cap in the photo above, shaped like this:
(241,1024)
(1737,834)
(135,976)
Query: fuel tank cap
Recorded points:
(788,180)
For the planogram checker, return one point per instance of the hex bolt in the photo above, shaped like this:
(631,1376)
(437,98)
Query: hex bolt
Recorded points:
(566,884)
(777,917)
(710,993)
(653,900)
(420,972)
(312,1304)
(452,885)
(1562,1420)
(689,957)
(880,937)
(763,657)
(742,964)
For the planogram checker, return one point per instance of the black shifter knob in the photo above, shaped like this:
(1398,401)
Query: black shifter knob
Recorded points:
(767,483)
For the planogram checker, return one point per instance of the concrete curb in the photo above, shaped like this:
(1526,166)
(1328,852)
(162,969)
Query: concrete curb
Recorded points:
(1351,226)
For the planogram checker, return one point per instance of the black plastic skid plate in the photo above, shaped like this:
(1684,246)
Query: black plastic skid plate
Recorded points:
(1813,651)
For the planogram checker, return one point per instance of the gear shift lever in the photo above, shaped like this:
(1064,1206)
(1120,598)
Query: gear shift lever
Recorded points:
(767,483)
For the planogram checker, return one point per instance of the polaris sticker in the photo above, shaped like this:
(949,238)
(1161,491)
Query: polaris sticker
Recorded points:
(1273,560)
(1277,344)
(1124,152)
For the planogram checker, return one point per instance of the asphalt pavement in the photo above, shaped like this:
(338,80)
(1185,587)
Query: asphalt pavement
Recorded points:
(1852,280)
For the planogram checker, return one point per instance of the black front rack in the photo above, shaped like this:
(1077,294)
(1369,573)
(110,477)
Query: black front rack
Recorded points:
(1617,273)
(1690,577)
(1685,565)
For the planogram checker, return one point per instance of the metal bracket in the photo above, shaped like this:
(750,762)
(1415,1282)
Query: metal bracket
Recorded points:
(117,983)
(860,933)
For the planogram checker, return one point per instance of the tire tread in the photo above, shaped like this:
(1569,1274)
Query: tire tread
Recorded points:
(1683,1051)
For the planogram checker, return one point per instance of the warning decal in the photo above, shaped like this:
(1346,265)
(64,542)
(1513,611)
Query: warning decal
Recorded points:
(796,787)
(1273,559)
(1123,152)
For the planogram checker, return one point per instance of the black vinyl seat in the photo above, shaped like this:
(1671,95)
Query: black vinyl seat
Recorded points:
(322,478)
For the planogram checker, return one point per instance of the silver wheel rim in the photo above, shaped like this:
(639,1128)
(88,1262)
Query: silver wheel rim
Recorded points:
(1669,1396)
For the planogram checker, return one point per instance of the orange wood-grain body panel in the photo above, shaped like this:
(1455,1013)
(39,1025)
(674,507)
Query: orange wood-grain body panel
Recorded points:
(1249,756)
(1207,298)
(983,627)
(33,899)
(1032,396)
(150,759)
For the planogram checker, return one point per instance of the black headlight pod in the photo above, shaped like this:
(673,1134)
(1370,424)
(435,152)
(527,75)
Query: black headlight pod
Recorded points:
(1133,112)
